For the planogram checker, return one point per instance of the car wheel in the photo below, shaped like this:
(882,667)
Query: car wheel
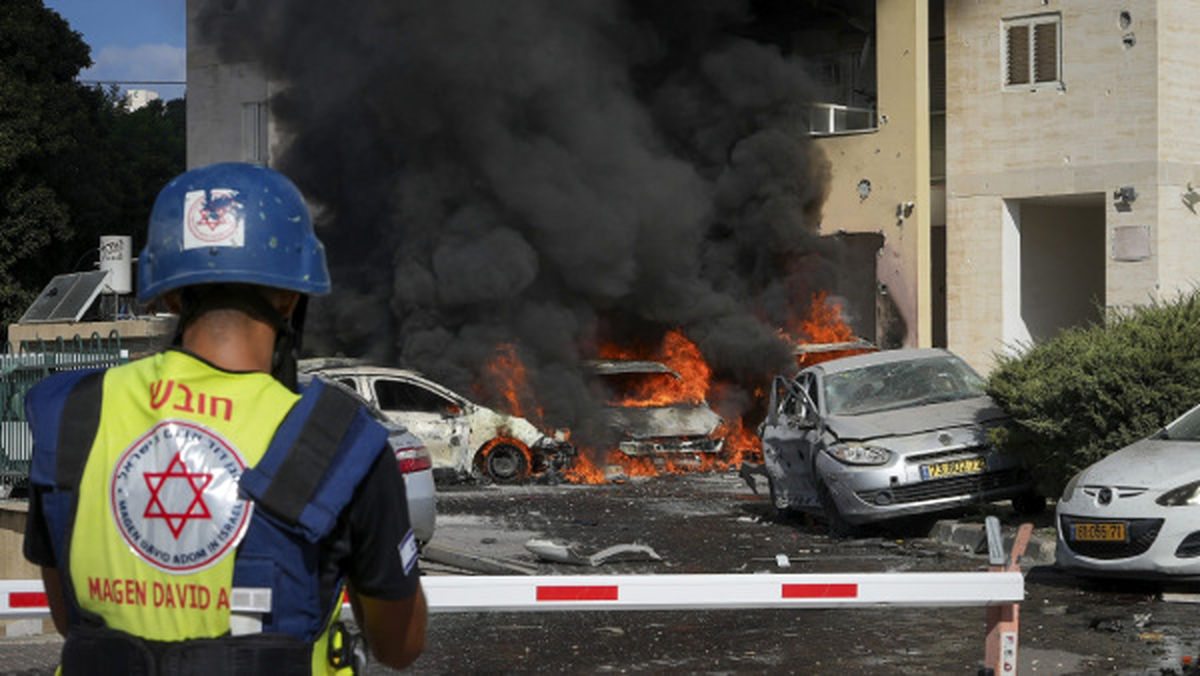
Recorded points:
(505,463)
(779,507)
(838,526)
(1030,503)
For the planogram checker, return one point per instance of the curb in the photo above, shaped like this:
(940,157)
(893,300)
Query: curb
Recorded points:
(972,537)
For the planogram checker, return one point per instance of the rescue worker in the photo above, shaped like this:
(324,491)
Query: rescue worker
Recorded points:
(191,513)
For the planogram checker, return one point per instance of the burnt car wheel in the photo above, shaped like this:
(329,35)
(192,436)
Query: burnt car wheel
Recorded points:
(506,463)
(779,506)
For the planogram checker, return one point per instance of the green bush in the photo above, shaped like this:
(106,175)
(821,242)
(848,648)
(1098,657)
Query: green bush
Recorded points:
(1092,390)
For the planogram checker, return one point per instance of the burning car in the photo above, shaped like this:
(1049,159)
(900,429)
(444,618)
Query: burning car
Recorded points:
(464,438)
(649,417)
(887,434)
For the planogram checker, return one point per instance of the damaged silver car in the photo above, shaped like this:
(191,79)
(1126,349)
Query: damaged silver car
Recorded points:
(658,428)
(884,435)
(466,439)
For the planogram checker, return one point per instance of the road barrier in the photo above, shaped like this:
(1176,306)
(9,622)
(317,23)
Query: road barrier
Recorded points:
(1001,590)
(515,593)
(452,593)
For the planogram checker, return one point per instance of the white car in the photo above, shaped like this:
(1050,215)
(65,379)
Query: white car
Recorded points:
(1136,513)
(415,464)
(463,437)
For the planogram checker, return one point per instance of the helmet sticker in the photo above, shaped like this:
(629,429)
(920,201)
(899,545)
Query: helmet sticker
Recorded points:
(174,495)
(213,218)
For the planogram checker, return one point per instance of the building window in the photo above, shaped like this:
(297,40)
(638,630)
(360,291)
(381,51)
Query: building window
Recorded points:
(254,132)
(1033,51)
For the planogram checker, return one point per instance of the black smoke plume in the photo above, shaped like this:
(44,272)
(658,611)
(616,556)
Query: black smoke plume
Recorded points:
(548,174)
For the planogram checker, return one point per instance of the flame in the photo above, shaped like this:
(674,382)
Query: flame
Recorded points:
(617,466)
(506,377)
(584,471)
(741,444)
(681,356)
(823,324)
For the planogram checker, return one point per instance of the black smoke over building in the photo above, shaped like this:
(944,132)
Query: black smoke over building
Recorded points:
(547,174)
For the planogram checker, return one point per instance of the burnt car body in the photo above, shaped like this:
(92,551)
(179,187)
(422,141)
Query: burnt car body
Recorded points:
(464,438)
(884,435)
(676,431)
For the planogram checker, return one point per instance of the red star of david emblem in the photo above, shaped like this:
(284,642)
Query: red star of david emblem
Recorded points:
(194,481)
(213,217)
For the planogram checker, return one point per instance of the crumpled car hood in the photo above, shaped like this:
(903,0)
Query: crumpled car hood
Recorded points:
(914,420)
(1149,463)
(649,422)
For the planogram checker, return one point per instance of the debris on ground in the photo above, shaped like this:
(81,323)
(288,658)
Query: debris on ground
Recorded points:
(468,561)
(559,553)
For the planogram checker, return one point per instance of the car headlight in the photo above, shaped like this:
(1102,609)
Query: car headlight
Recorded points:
(1187,494)
(860,454)
(1069,491)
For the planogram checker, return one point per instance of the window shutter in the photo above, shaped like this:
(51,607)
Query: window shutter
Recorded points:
(1018,55)
(1045,52)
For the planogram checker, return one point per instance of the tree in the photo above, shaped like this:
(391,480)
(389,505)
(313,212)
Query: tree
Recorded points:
(75,164)
(1092,390)
(42,112)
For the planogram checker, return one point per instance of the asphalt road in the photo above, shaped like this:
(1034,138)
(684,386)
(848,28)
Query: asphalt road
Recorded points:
(714,524)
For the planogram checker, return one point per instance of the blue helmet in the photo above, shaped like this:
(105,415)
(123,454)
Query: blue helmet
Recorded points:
(231,223)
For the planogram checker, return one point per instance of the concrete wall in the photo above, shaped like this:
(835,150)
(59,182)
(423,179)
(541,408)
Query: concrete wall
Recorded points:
(1178,210)
(13,565)
(217,94)
(895,159)
(1097,132)
(139,336)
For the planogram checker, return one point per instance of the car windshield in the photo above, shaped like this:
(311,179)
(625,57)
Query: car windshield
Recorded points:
(901,384)
(1185,428)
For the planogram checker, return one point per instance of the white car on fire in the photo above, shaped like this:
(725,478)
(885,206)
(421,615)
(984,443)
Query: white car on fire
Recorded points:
(1136,513)
(675,430)
(464,438)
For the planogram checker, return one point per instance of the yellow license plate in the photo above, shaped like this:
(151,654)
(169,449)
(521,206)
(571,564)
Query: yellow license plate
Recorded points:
(953,468)
(1098,532)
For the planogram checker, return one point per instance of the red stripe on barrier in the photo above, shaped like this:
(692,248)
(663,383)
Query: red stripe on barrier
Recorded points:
(604,593)
(27,600)
(820,591)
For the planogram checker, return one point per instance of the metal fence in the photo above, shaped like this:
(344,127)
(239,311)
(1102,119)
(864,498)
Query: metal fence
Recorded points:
(20,370)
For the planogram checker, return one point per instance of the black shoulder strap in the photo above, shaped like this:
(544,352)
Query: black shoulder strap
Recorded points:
(308,458)
(77,430)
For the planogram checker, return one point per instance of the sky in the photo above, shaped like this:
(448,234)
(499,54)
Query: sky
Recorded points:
(131,40)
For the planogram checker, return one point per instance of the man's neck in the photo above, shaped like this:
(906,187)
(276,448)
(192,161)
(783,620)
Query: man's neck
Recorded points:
(232,343)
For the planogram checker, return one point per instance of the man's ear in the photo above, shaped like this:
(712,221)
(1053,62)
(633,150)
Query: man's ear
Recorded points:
(172,300)
(285,302)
